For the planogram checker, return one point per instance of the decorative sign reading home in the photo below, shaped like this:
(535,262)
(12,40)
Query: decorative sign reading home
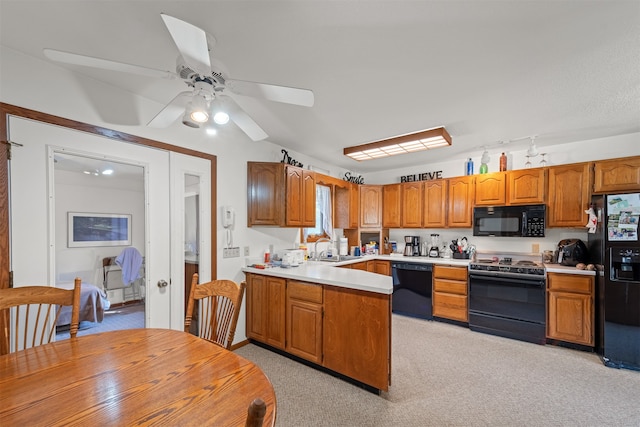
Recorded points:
(290,161)
(352,178)
(425,176)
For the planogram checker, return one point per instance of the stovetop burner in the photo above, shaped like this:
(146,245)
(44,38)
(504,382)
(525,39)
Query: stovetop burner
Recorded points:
(511,264)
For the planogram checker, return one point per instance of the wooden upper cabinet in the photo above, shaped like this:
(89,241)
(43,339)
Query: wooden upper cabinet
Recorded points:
(371,206)
(491,189)
(281,195)
(354,206)
(617,175)
(412,204)
(434,204)
(568,195)
(300,197)
(526,186)
(265,195)
(461,196)
(392,206)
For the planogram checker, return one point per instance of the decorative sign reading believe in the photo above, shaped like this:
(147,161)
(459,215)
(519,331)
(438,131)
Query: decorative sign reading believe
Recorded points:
(425,176)
(288,160)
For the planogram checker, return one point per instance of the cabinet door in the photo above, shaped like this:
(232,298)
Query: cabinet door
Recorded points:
(382,267)
(391,206)
(265,195)
(434,209)
(354,206)
(526,186)
(308,198)
(359,266)
(304,320)
(568,195)
(412,205)
(294,198)
(491,189)
(461,196)
(356,335)
(370,206)
(615,175)
(570,317)
(450,306)
(266,309)
(256,308)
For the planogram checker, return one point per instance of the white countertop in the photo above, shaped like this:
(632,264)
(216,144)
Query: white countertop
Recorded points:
(328,274)
(557,268)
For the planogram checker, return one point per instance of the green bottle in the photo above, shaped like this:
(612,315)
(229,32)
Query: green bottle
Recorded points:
(484,168)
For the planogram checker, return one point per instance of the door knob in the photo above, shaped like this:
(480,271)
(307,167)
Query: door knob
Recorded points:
(162,283)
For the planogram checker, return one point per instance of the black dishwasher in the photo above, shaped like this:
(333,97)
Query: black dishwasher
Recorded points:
(412,289)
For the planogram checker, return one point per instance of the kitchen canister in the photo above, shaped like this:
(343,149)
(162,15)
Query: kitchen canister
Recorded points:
(344,246)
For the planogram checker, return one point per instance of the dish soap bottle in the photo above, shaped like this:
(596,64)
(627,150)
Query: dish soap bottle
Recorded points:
(469,167)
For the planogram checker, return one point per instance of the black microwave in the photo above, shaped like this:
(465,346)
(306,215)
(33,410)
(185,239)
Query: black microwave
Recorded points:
(509,221)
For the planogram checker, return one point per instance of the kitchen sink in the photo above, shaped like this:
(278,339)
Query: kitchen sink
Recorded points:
(339,258)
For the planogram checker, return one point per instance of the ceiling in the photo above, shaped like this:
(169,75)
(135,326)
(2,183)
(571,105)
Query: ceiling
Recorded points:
(492,72)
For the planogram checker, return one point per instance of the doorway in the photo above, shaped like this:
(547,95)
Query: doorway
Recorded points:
(85,186)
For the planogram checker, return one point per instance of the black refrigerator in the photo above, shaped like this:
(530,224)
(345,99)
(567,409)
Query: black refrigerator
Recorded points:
(615,249)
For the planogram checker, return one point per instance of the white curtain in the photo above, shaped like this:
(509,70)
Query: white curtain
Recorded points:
(323,203)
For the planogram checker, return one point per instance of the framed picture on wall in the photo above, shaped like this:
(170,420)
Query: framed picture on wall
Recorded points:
(96,229)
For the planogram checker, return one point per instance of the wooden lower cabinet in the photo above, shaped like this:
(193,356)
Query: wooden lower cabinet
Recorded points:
(570,308)
(304,320)
(266,309)
(450,296)
(345,330)
(357,335)
(382,267)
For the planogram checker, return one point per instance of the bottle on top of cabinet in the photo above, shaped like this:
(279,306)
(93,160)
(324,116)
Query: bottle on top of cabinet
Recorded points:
(503,162)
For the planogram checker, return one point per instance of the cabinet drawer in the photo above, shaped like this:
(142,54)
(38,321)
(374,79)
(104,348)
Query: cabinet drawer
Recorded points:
(448,272)
(449,306)
(304,291)
(570,283)
(450,286)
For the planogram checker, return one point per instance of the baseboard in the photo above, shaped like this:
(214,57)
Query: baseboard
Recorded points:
(239,345)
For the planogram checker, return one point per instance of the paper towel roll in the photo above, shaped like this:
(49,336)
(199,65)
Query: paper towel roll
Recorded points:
(344,246)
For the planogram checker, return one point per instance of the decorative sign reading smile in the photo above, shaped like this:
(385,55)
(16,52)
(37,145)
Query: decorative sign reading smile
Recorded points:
(352,178)
(425,176)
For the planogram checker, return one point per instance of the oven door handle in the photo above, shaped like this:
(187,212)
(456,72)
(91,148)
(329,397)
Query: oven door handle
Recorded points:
(508,280)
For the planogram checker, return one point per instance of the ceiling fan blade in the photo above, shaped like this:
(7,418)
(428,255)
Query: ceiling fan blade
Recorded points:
(242,119)
(171,111)
(89,61)
(191,41)
(289,95)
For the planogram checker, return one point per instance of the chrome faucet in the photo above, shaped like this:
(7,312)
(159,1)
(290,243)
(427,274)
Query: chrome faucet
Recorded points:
(316,255)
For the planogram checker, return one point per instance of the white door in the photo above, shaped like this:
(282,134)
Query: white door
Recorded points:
(32,215)
(190,176)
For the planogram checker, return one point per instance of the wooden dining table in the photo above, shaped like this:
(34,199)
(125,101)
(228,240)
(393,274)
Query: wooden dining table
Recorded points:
(131,377)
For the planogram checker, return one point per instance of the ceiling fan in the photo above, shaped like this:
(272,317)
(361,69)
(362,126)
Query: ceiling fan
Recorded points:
(210,96)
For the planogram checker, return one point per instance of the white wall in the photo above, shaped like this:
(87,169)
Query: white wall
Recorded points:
(43,86)
(613,147)
(75,192)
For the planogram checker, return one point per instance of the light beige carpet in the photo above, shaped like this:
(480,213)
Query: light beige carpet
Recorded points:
(447,375)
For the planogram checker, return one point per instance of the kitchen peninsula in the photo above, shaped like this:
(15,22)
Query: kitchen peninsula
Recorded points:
(335,318)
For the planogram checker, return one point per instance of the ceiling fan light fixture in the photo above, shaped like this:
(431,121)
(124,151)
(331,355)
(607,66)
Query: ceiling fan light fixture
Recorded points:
(221,118)
(402,144)
(187,120)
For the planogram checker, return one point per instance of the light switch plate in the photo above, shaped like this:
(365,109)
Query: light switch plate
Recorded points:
(231,252)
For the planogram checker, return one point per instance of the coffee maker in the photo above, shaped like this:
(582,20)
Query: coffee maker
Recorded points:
(412,245)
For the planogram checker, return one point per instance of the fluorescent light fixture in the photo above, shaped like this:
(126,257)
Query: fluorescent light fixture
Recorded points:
(107,172)
(402,144)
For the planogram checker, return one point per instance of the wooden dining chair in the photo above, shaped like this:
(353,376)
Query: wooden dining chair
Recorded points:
(219,308)
(33,312)
(255,413)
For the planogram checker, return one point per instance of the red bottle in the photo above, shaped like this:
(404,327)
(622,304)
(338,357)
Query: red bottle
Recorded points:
(503,162)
